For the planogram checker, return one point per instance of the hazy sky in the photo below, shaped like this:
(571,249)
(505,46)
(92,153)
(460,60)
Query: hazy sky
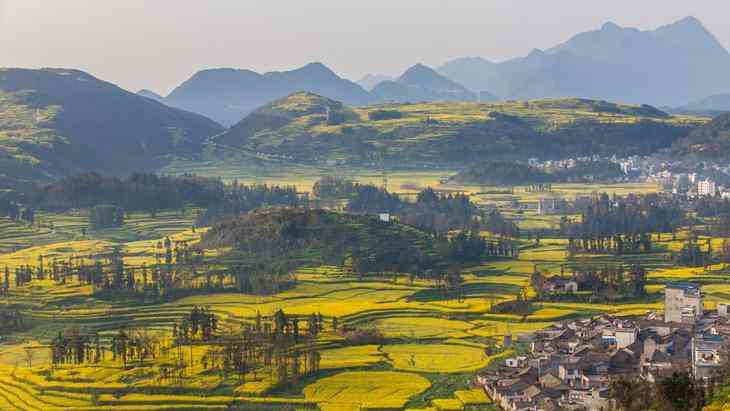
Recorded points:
(157,44)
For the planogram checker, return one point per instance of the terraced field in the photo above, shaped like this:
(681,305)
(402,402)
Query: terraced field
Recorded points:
(433,340)
(51,228)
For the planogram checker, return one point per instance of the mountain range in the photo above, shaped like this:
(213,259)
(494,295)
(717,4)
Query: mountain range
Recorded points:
(227,95)
(57,122)
(712,105)
(671,66)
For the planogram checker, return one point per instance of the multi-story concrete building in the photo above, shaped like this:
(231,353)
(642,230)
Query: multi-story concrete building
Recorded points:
(706,188)
(682,303)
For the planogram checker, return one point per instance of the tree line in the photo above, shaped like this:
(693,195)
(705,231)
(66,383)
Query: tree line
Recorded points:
(621,225)
(146,192)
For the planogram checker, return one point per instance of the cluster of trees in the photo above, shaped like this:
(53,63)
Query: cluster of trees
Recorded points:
(5,284)
(176,268)
(105,216)
(379,115)
(139,192)
(521,305)
(13,210)
(431,210)
(201,324)
(238,199)
(73,346)
(621,225)
(511,173)
(695,254)
(10,320)
(605,282)
(502,173)
(149,192)
(712,207)
(280,344)
(440,212)
(494,222)
(678,392)
(333,188)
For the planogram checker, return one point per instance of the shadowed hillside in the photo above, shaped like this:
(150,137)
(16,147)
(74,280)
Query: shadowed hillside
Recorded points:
(56,122)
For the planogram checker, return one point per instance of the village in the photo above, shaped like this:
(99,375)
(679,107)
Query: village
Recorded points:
(570,366)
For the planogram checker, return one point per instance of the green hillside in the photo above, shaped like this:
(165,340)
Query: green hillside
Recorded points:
(299,128)
(56,122)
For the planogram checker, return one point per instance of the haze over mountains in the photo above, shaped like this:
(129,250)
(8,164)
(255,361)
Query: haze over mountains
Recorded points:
(421,83)
(671,65)
(227,95)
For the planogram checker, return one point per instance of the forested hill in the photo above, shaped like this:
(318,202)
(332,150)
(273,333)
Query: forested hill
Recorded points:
(57,122)
(278,240)
(306,127)
(709,142)
(505,173)
(289,237)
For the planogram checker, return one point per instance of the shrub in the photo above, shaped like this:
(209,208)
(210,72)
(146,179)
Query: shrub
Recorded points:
(363,336)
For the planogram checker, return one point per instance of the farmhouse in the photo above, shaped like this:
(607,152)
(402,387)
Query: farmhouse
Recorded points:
(560,285)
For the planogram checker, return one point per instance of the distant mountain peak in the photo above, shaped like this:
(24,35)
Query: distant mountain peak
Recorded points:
(227,95)
(536,53)
(670,65)
(422,83)
(420,73)
(689,33)
(317,68)
(611,26)
(419,68)
(691,21)
(150,94)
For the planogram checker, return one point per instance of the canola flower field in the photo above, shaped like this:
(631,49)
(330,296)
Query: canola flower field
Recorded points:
(434,341)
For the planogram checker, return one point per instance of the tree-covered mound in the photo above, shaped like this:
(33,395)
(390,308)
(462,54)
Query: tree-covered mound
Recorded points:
(510,173)
(307,128)
(710,142)
(278,240)
(502,173)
